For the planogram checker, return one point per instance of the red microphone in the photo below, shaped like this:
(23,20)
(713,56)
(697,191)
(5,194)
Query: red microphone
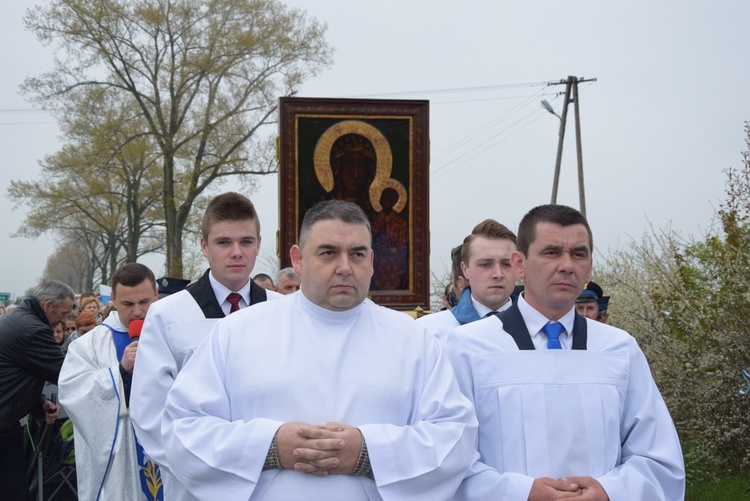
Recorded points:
(134,329)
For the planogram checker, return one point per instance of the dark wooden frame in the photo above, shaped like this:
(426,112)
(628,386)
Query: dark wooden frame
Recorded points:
(307,127)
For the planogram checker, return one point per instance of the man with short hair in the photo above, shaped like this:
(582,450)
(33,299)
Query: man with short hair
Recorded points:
(29,356)
(265,281)
(176,325)
(288,281)
(566,406)
(95,383)
(321,394)
(485,262)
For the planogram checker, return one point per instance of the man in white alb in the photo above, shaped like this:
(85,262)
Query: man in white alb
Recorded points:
(321,394)
(175,325)
(566,406)
(95,390)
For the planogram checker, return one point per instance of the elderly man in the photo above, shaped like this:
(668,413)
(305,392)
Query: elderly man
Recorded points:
(587,303)
(288,281)
(95,383)
(566,405)
(29,356)
(321,394)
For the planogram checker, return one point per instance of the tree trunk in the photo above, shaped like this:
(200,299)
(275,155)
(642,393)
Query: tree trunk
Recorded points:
(174,234)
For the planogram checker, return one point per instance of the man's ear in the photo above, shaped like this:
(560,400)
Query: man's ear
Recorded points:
(461,284)
(296,254)
(518,262)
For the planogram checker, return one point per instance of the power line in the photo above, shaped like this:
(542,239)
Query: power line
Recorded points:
(459,101)
(27,123)
(488,145)
(473,135)
(24,111)
(21,110)
(492,141)
(480,88)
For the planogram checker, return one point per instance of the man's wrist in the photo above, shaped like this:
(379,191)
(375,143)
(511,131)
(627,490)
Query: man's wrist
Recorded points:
(272,458)
(363,468)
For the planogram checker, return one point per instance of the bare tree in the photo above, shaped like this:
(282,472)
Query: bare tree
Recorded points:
(102,186)
(205,75)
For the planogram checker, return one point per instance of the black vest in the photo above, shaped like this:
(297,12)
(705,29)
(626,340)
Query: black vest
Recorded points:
(514,325)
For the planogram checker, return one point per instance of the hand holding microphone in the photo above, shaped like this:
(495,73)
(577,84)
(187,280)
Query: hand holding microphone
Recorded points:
(128,357)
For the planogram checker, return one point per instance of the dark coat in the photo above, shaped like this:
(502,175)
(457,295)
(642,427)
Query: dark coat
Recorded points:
(203,294)
(29,356)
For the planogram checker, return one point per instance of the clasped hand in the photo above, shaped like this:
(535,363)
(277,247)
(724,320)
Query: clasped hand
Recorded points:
(583,488)
(332,448)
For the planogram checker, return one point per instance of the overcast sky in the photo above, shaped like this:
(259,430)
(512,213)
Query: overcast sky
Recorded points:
(660,125)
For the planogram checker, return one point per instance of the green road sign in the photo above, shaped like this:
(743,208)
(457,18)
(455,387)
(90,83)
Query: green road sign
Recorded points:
(5,296)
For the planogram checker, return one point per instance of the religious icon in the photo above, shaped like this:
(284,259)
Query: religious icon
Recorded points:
(369,158)
(353,161)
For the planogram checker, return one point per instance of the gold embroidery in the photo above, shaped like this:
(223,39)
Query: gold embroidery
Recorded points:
(153,478)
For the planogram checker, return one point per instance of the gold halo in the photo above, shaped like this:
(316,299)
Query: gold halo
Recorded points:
(383,166)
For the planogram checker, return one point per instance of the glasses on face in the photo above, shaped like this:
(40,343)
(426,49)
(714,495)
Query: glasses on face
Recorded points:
(70,329)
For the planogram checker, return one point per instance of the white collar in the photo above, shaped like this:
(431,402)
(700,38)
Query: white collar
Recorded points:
(482,310)
(113,321)
(534,320)
(221,292)
(326,315)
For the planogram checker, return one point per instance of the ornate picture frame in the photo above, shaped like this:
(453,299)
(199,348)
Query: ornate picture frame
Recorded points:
(372,152)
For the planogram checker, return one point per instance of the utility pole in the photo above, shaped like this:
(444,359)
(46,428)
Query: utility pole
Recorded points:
(571,86)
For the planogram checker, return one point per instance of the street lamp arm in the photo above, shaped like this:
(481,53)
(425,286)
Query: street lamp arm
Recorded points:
(548,107)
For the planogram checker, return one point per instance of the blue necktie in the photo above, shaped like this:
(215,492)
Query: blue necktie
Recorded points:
(553,331)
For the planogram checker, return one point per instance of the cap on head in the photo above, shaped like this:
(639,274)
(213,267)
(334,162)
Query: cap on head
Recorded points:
(592,292)
(603,305)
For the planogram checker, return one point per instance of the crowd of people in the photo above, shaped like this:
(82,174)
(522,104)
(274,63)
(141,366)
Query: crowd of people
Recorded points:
(299,387)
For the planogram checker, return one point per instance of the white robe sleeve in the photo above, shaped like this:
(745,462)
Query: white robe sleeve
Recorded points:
(216,453)
(652,465)
(153,375)
(427,459)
